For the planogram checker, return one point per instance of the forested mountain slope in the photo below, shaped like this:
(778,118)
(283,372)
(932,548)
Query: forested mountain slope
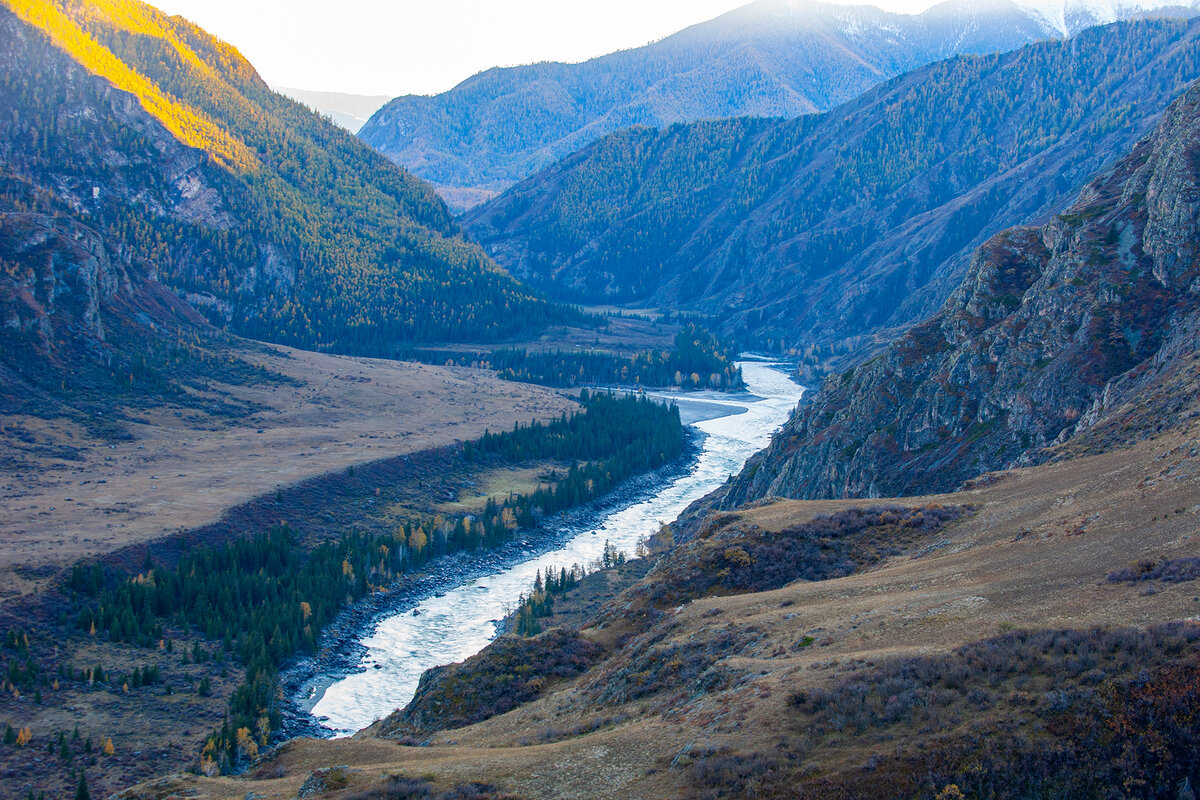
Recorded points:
(1078,336)
(139,153)
(827,227)
(771,58)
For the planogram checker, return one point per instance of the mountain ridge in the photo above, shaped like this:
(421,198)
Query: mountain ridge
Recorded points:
(768,58)
(268,220)
(828,229)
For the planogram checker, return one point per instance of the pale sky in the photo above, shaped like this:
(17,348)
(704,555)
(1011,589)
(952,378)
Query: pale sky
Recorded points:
(427,46)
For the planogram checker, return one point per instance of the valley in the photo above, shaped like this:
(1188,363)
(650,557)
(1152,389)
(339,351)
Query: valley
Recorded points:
(389,497)
(1034,552)
(802,405)
(460,622)
(811,236)
(69,495)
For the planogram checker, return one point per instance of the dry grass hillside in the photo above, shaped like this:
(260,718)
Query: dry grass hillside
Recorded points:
(845,687)
(66,493)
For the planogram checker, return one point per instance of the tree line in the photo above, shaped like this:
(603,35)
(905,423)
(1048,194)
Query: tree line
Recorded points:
(699,359)
(267,597)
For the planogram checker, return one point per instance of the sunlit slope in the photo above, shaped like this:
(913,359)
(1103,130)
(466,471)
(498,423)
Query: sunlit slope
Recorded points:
(321,243)
(185,122)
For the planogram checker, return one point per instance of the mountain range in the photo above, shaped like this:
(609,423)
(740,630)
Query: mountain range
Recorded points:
(829,229)
(771,58)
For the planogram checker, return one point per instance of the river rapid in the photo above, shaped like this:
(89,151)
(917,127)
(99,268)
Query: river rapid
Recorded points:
(457,624)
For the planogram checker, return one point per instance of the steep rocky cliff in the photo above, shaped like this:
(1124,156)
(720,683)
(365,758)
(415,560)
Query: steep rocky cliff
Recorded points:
(1071,338)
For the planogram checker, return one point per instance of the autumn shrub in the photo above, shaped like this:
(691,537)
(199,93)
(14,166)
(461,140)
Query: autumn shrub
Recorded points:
(512,671)
(399,787)
(1171,570)
(1067,714)
(737,557)
(1020,669)
(656,663)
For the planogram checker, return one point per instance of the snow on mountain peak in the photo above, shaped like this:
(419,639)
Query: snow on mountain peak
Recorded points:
(1069,16)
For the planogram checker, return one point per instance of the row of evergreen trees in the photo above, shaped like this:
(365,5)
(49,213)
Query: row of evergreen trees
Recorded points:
(700,359)
(532,608)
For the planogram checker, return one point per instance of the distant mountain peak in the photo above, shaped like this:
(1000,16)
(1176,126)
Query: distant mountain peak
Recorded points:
(770,58)
(1070,16)
(351,111)
(830,229)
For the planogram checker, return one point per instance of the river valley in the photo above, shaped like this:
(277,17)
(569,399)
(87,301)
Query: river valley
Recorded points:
(453,625)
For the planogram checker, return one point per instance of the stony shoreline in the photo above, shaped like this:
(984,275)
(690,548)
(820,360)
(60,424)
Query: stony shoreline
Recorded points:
(341,651)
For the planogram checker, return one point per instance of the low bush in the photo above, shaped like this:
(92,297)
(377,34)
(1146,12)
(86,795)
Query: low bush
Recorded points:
(513,670)
(1171,570)
(736,558)
(398,787)
(655,663)
(1068,714)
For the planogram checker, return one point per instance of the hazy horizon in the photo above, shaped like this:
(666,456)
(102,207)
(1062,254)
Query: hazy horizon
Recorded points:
(361,46)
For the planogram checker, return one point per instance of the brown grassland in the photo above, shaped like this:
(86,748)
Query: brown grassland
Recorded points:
(202,469)
(1033,556)
(74,496)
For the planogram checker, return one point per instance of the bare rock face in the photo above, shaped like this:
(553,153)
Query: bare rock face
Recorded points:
(67,276)
(1039,352)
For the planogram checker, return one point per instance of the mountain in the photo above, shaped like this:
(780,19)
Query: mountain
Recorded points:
(1072,338)
(771,58)
(351,111)
(146,163)
(828,228)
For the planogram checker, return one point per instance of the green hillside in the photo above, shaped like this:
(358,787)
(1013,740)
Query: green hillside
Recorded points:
(829,227)
(286,229)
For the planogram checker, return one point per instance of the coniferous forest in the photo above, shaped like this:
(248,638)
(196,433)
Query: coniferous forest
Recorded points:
(266,598)
(700,359)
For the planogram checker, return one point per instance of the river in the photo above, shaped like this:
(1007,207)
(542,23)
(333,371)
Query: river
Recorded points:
(461,622)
